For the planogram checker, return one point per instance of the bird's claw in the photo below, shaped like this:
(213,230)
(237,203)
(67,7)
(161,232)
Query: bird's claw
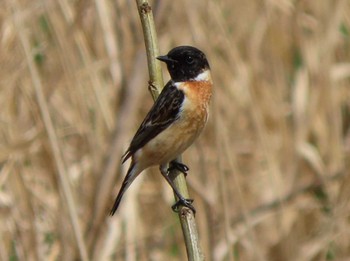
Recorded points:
(178,166)
(184,202)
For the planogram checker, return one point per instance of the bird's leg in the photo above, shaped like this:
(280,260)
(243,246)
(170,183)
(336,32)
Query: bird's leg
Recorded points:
(182,201)
(174,164)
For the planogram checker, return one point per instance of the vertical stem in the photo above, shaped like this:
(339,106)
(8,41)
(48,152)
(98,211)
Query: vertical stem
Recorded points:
(188,224)
(156,82)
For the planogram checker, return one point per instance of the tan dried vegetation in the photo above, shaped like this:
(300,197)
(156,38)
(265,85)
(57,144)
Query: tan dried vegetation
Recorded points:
(269,175)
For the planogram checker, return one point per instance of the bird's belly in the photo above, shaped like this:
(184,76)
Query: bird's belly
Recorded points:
(174,140)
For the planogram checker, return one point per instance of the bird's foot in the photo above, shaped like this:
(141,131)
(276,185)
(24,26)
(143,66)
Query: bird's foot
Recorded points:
(184,202)
(174,165)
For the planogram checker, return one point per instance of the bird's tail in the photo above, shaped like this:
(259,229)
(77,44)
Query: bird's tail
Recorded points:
(133,171)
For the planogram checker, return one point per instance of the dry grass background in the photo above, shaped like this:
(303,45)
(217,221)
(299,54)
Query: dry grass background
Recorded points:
(269,175)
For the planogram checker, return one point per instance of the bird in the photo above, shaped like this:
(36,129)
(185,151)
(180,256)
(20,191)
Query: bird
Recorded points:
(175,120)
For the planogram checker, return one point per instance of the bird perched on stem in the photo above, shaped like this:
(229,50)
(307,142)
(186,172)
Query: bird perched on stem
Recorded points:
(176,119)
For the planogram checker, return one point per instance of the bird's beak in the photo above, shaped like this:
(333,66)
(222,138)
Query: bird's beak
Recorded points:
(166,59)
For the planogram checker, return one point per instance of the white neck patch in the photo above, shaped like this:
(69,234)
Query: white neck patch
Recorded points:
(203,76)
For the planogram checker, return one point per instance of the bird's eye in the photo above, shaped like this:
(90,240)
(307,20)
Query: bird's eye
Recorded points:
(189,60)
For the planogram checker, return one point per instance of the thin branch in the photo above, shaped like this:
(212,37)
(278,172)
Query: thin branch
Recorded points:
(188,224)
(156,82)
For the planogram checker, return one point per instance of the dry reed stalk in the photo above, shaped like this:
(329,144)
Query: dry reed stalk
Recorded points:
(82,44)
(112,46)
(51,133)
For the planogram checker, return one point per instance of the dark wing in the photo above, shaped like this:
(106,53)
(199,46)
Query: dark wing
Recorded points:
(164,112)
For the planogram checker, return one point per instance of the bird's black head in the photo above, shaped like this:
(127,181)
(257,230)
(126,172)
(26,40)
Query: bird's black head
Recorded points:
(185,63)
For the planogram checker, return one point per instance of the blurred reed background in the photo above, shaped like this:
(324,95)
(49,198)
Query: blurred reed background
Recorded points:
(269,175)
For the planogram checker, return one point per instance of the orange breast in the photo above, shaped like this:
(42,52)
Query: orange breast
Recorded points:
(199,93)
(174,140)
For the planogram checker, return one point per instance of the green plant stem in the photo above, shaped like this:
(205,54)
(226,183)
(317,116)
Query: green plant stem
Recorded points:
(188,224)
(156,82)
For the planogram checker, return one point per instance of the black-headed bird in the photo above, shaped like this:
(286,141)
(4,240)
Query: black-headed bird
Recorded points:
(175,120)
